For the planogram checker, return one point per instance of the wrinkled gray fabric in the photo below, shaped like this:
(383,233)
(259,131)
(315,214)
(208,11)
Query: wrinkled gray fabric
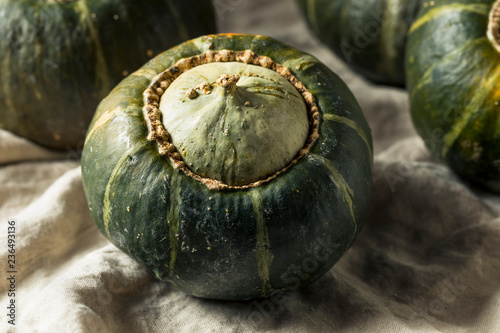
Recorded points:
(427,259)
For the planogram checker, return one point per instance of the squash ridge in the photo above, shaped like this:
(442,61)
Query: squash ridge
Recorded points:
(480,9)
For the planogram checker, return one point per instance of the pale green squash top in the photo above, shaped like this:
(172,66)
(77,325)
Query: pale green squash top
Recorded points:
(234,122)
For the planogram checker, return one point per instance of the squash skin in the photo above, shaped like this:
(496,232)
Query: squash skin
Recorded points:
(452,69)
(366,34)
(230,244)
(59,60)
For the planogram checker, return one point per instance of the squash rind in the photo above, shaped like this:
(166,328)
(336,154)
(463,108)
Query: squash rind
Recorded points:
(58,60)
(230,244)
(453,70)
(368,35)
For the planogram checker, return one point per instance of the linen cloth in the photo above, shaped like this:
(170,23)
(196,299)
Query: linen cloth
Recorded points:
(427,259)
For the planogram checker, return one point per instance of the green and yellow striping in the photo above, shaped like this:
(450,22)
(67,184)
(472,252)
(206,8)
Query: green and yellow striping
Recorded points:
(103,83)
(353,125)
(173,220)
(263,247)
(115,175)
(426,78)
(481,9)
(388,36)
(339,181)
(102,120)
(172,213)
(485,88)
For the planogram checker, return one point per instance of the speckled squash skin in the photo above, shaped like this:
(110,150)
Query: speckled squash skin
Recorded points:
(369,35)
(231,244)
(453,75)
(59,59)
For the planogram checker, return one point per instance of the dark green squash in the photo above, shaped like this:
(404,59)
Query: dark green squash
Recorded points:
(453,70)
(59,58)
(246,232)
(369,35)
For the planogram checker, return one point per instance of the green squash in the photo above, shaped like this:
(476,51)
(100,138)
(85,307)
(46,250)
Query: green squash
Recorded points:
(232,166)
(453,71)
(59,58)
(369,35)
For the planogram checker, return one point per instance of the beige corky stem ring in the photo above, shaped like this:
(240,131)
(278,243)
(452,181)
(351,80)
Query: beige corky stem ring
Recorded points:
(494,26)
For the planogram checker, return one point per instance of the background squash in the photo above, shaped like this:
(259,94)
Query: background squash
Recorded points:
(453,71)
(59,58)
(369,35)
(235,237)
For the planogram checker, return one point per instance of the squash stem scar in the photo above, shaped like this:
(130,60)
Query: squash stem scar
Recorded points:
(157,132)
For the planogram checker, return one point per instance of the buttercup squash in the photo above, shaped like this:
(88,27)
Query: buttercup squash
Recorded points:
(453,71)
(59,58)
(232,166)
(369,35)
